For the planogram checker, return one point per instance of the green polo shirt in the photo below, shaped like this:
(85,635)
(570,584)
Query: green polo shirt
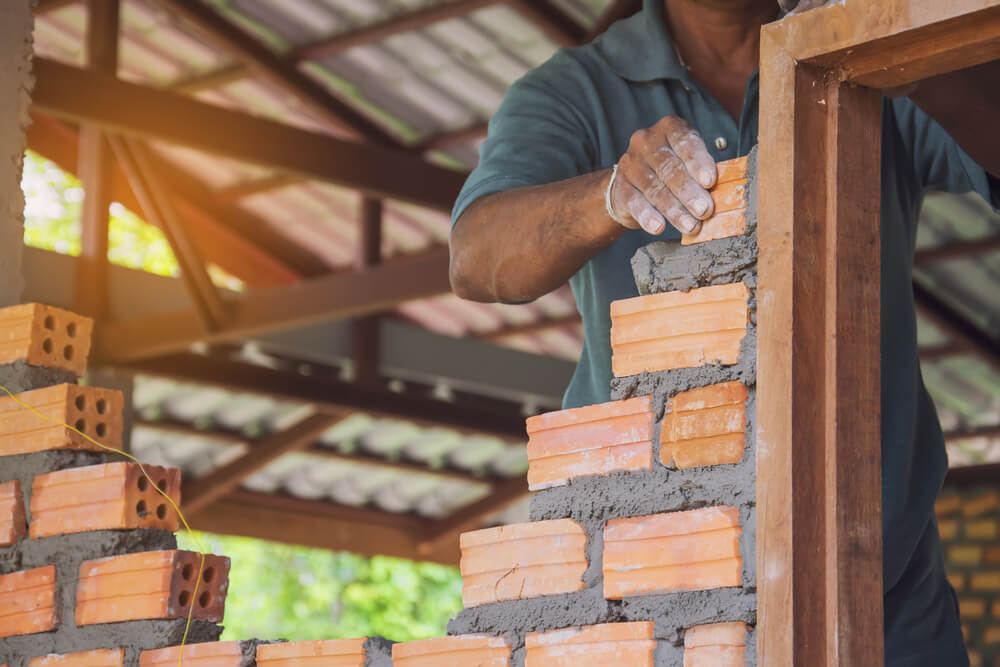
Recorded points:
(575,114)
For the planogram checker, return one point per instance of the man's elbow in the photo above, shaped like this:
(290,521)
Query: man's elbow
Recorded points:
(463,283)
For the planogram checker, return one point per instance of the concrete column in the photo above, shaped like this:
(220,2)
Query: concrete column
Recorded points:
(16,83)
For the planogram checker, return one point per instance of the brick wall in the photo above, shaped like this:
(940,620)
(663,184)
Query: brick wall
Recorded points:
(969,522)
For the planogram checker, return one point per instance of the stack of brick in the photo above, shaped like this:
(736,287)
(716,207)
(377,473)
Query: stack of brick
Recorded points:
(641,548)
(969,522)
(90,573)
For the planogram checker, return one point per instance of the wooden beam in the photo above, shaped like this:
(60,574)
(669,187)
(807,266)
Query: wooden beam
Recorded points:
(149,113)
(337,528)
(221,235)
(340,296)
(819,440)
(471,516)
(46,6)
(531,328)
(956,250)
(96,169)
(971,433)
(366,341)
(203,491)
(552,21)
(211,79)
(157,204)
(276,70)
(987,475)
(962,333)
(483,417)
(464,135)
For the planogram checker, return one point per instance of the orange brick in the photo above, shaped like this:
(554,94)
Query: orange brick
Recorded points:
(692,550)
(151,585)
(719,226)
(948,529)
(460,651)
(27,601)
(45,336)
(992,556)
(113,496)
(13,525)
(523,561)
(112,657)
(705,427)
(991,635)
(212,654)
(325,653)
(995,609)
(965,555)
(95,412)
(592,440)
(716,645)
(983,529)
(732,170)
(608,645)
(985,581)
(679,329)
(957,580)
(981,504)
(947,504)
(971,608)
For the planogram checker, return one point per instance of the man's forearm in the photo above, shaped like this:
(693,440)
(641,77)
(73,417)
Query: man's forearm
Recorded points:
(520,244)
(966,104)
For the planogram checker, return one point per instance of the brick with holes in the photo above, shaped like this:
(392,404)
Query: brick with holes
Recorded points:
(13,523)
(45,336)
(27,602)
(592,440)
(112,496)
(210,654)
(459,651)
(151,585)
(111,657)
(607,645)
(98,413)
(679,551)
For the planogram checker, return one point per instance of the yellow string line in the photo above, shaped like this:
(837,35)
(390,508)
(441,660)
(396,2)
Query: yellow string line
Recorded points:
(153,484)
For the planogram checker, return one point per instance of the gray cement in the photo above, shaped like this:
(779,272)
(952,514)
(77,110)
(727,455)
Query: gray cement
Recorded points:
(16,83)
(21,376)
(378,652)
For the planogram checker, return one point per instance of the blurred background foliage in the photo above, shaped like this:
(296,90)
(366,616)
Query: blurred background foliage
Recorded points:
(275,590)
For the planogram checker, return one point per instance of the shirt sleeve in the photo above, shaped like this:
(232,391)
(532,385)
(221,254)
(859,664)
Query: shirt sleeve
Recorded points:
(537,136)
(940,163)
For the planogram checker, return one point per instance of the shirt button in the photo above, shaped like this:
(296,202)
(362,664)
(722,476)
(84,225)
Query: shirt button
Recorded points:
(721,143)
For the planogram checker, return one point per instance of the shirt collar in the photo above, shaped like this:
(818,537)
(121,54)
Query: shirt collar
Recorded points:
(639,48)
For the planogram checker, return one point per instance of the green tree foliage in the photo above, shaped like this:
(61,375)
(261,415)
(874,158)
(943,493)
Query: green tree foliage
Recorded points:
(277,591)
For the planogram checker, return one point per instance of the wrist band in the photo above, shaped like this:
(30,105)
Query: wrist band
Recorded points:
(607,197)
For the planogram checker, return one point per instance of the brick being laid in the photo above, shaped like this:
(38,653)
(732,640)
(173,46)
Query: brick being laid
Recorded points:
(111,657)
(672,330)
(322,653)
(45,336)
(210,654)
(715,645)
(112,496)
(27,602)
(679,551)
(525,560)
(151,585)
(607,645)
(13,522)
(459,651)
(705,427)
(730,198)
(98,413)
(592,440)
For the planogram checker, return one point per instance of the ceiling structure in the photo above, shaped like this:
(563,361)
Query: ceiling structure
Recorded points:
(311,149)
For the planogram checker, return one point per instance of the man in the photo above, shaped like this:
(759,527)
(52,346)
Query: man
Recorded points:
(610,146)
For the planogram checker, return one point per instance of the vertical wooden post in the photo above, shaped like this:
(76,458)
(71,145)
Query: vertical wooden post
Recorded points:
(365,332)
(819,359)
(90,289)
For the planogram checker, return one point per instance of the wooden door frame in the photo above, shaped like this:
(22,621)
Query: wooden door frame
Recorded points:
(819,551)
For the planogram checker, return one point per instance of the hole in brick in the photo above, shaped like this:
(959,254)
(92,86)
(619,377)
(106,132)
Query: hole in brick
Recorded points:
(162,485)
(71,329)
(204,599)
(208,574)
(140,508)
(68,353)
(81,425)
(187,572)
(47,345)
(161,512)
(102,406)
(102,429)
(142,484)
(50,323)
(81,403)
(184,598)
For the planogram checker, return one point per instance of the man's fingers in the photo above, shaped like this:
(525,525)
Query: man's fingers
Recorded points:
(687,144)
(649,190)
(668,170)
(646,214)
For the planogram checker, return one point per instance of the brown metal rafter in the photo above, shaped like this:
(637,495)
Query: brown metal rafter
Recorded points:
(964,335)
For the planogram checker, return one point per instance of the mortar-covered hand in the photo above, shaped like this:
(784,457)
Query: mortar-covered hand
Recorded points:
(663,177)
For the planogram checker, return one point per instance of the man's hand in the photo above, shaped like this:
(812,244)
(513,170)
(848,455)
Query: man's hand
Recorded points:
(664,177)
